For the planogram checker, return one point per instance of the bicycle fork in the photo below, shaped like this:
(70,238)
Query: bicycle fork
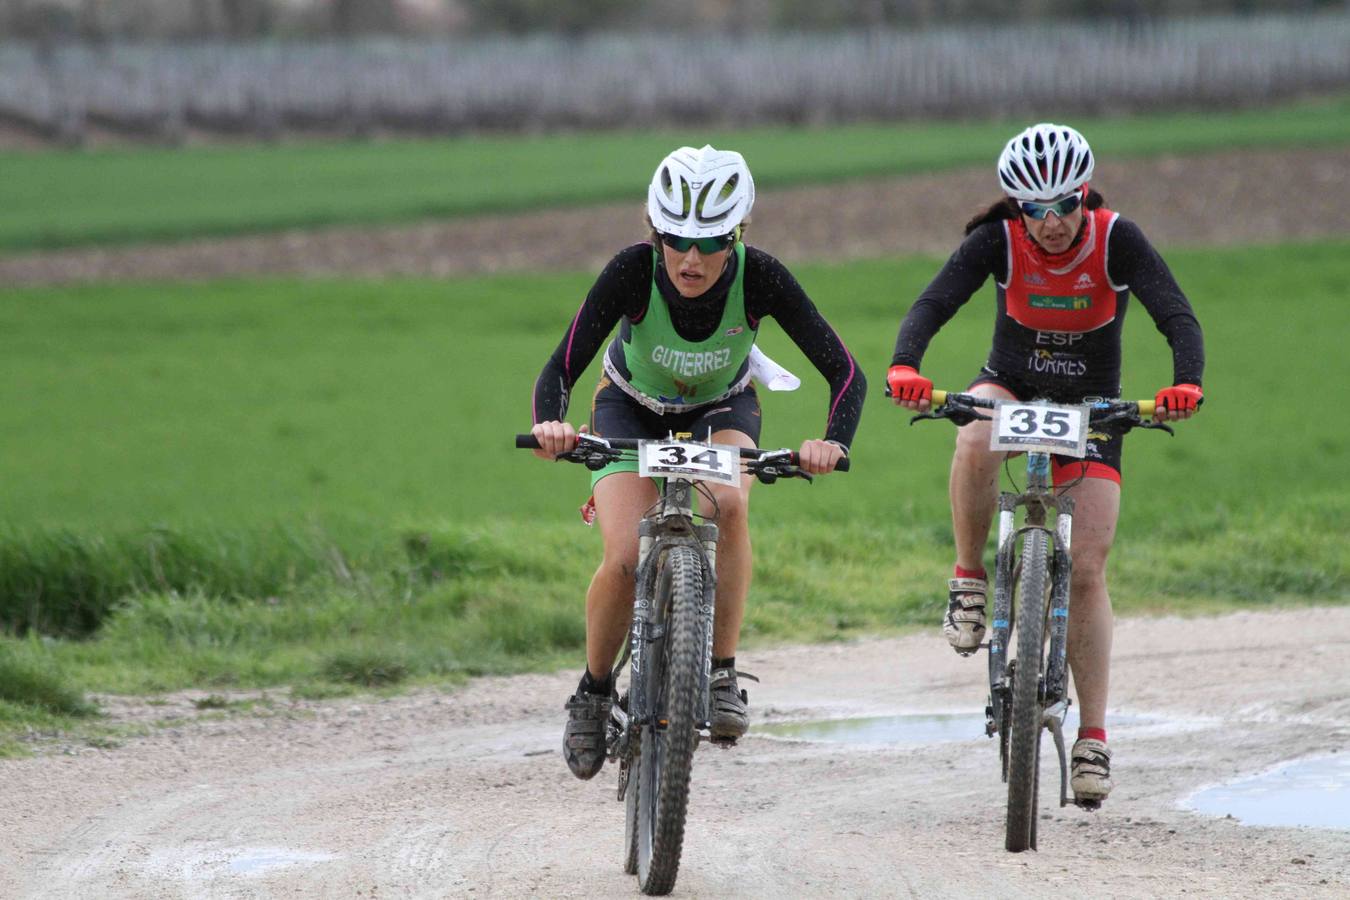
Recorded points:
(672,525)
(1000,684)
(1053,686)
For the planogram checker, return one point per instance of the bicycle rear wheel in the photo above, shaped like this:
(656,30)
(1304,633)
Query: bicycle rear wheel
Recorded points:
(669,740)
(1024,742)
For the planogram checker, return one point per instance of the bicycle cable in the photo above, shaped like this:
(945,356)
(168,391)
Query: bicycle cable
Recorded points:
(706,491)
(1007,470)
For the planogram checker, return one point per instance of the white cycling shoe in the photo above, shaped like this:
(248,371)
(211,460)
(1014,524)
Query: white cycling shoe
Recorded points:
(963,626)
(1091,773)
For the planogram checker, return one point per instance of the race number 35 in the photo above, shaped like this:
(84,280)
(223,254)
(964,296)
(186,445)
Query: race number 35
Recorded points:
(1039,426)
(1026,421)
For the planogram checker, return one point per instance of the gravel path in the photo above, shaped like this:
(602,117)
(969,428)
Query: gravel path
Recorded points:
(1243,197)
(465,793)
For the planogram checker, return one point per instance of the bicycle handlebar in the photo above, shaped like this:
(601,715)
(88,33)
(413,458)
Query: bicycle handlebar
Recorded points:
(960,408)
(754,454)
(1142,408)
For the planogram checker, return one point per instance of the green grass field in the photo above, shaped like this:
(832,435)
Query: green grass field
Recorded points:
(124,196)
(247,403)
(312,483)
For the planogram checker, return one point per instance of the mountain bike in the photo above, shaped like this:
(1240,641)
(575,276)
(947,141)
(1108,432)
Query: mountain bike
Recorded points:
(657,724)
(1028,692)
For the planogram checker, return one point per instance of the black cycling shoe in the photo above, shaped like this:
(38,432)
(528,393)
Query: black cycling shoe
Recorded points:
(584,736)
(730,705)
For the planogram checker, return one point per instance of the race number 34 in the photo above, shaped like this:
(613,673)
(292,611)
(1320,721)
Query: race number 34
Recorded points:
(1040,426)
(698,462)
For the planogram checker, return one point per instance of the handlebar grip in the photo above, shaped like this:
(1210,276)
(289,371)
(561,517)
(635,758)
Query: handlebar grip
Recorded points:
(527,442)
(1147,408)
(939,397)
(842,465)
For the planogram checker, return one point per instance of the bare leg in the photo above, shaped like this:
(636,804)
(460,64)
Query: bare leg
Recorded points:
(620,501)
(1090,619)
(734,559)
(974,485)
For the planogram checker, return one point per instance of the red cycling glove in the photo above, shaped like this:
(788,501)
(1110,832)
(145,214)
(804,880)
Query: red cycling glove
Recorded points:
(1179,398)
(907,384)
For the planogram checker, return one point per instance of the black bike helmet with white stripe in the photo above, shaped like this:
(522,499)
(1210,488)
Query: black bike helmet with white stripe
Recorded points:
(700,193)
(1045,162)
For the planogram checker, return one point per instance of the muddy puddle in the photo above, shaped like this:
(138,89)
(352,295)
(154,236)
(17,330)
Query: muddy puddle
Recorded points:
(913,728)
(1310,792)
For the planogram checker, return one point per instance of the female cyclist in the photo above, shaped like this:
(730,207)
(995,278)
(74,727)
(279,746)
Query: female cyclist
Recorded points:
(1065,266)
(688,304)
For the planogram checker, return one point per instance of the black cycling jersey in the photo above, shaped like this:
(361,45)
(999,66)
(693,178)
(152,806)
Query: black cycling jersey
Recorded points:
(1082,364)
(621,294)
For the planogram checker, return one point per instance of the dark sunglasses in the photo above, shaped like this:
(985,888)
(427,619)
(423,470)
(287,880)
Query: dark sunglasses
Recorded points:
(1060,208)
(705,245)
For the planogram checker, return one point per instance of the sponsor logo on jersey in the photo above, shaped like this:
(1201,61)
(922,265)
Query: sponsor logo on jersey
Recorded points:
(1084,281)
(1034,278)
(1057,338)
(1048,362)
(732,332)
(1044,301)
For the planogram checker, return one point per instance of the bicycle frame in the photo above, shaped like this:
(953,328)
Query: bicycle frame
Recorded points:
(1038,498)
(672,522)
(656,726)
(1019,706)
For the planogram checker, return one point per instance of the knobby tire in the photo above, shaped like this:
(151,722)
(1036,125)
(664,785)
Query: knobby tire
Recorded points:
(668,753)
(630,810)
(1024,743)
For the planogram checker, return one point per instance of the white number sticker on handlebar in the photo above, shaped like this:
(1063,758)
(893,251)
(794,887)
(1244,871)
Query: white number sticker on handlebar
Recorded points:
(696,462)
(1040,426)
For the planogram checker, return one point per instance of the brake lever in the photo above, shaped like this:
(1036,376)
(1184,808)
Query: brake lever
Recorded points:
(1131,420)
(961,415)
(770,473)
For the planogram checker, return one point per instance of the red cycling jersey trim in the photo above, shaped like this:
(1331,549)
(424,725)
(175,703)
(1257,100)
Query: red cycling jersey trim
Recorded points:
(1071,470)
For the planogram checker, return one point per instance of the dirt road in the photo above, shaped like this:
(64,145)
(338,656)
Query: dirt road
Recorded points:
(1233,197)
(465,793)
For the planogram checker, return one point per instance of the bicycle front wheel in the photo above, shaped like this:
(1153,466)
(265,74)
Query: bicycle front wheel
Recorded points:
(1024,741)
(630,807)
(670,738)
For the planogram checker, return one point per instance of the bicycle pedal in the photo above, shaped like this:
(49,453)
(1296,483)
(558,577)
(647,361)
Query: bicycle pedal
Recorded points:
(1089,805)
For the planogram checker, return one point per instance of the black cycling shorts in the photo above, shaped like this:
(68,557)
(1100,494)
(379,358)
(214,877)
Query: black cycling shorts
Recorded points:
(614,414)
(1103,447)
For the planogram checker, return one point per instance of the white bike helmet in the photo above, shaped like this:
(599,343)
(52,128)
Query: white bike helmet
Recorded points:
(1045,162)
(700,193)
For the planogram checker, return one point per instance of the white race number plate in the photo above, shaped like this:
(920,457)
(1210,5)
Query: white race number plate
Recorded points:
(1040,426)
(697,462)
